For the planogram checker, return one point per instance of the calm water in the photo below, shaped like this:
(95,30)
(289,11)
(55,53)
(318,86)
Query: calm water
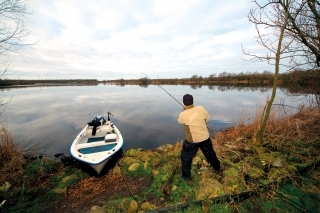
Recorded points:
(146,116)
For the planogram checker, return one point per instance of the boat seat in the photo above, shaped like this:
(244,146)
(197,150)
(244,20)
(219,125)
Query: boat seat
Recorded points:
(110,138)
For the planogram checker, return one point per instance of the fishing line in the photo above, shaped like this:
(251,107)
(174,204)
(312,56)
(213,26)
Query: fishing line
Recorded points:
(165,91)
(173,98)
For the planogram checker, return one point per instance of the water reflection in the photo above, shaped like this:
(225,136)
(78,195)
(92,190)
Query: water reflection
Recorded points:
(145,115)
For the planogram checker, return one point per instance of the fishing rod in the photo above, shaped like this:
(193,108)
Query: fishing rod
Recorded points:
(165,91)
(173,98)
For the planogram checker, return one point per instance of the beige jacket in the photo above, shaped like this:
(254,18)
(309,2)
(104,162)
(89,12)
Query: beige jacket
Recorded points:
(195,120)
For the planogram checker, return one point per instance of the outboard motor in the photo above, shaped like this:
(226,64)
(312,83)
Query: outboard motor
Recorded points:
(97,121)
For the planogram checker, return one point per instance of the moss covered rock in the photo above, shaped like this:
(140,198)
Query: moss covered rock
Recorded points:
(143,156)
(232,181)
(131,153)
(209,188)
(133,167)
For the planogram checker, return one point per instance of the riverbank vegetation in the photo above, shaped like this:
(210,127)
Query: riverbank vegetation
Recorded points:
(280,175)
(67,82)
(298,78)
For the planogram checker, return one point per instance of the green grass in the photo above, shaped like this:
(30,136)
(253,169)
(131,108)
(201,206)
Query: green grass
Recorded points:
(36,193)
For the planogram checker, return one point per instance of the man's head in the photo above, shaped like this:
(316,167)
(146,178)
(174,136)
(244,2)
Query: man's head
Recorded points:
(187,100)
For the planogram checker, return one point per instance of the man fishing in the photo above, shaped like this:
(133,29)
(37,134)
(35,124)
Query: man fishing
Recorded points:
(195,120)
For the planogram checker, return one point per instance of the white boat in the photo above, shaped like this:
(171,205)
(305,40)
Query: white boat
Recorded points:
(97,143)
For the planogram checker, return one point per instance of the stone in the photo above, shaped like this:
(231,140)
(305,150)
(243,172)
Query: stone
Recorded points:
(209,188)
(61,190)
(143,156)
(133,167)
(278,162)
(129,160)
(5,187)
(97,209)
(155,173)
(147,206)
(133,207)
(233,182)
(131,153)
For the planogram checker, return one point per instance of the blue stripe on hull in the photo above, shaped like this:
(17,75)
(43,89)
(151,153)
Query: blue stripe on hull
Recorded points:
(95,149)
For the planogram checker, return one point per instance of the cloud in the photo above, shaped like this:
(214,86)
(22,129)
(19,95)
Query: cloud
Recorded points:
(116,39)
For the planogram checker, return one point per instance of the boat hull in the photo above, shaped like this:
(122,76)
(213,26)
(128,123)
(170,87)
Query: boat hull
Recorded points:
(96,147)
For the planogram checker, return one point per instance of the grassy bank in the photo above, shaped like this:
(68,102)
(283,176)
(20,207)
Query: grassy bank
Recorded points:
(280,176)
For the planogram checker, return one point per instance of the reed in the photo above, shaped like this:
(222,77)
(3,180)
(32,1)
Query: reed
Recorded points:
(11,155)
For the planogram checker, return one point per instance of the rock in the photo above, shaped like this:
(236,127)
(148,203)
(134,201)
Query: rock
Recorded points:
(133,167)
(232,181)
(143,156)
(129,160)
(174,188)
(278,162)
(155,173)
(5,187)
(147,206)
(131,153)
(133,207)
(97,209)
(209,188)
(61,190)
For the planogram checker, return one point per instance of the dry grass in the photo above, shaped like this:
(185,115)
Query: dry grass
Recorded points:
(302,127)
(11,164)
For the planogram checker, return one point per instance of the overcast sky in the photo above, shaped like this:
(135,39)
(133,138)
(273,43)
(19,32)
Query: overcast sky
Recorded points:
(113,39)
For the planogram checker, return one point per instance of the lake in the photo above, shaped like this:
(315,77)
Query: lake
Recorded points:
(146,116)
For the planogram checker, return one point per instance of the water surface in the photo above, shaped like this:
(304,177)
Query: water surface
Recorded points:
(146,116)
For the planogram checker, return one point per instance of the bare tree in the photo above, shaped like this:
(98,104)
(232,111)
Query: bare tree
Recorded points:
(13,34)
(304,27)
(13,30)
(273,18)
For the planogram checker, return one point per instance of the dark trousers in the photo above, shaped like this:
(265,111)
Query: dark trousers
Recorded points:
(189,150)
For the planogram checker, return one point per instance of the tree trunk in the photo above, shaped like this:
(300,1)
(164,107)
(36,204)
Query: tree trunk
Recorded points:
(267,108)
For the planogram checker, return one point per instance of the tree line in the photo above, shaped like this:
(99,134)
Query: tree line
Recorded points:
(300,77)
(15,82)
